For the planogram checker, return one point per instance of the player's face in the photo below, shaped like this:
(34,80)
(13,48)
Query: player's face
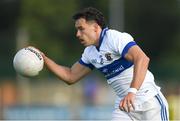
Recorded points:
(87,32)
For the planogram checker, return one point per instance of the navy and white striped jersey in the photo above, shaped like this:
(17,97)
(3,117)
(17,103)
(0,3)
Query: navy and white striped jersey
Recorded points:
(108,58)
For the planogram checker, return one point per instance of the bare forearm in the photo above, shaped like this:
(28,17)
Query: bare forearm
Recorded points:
(61,72)
(68,75)
(140,70)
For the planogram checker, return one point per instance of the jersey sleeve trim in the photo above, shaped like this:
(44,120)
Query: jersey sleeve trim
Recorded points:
(126,48)
(85,64)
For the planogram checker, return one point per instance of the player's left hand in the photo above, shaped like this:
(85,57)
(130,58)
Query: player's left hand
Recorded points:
(127,104)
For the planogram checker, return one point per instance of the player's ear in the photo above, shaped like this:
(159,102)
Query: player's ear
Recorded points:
(96,26)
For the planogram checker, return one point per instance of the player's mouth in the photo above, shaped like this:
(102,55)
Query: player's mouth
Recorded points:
(81,41)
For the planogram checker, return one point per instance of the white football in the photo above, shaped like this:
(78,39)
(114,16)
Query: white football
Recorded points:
(28,62)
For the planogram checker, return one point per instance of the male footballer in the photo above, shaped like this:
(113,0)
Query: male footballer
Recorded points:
(124,65)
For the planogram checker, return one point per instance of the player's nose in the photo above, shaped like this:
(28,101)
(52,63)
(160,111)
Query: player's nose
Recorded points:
(77,34)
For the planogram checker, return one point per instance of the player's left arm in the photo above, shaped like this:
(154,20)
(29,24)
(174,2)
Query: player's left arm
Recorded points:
(141,62)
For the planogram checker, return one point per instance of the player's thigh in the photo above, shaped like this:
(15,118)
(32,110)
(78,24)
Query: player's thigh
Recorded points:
(153,111)
(156,109)
(119,115)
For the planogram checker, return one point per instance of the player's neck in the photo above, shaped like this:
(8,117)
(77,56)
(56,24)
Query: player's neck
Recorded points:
(98,35)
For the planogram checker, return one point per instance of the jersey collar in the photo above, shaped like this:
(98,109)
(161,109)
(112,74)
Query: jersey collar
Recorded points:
(103,32)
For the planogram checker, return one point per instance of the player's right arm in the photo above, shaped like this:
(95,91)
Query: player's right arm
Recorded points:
(68,75)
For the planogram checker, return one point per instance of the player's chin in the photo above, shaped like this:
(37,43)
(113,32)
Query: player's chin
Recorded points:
(85,44)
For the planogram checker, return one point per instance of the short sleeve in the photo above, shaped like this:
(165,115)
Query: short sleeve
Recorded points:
(85,61)
(121,42)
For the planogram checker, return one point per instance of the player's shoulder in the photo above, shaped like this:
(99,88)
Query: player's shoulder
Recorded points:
(113,33)
(117,36)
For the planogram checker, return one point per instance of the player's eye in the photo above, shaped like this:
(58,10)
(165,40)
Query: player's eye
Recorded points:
(80,28)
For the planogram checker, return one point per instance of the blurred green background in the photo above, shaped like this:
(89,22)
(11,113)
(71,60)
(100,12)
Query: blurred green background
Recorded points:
(48,25)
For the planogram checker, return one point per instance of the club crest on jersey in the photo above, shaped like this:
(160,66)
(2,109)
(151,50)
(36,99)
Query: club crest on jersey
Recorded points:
(108,56)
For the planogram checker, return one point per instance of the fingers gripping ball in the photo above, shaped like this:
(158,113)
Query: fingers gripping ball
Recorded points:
(28,62)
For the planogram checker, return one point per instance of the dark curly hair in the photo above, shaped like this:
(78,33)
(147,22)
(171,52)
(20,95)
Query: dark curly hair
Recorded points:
(91,14)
